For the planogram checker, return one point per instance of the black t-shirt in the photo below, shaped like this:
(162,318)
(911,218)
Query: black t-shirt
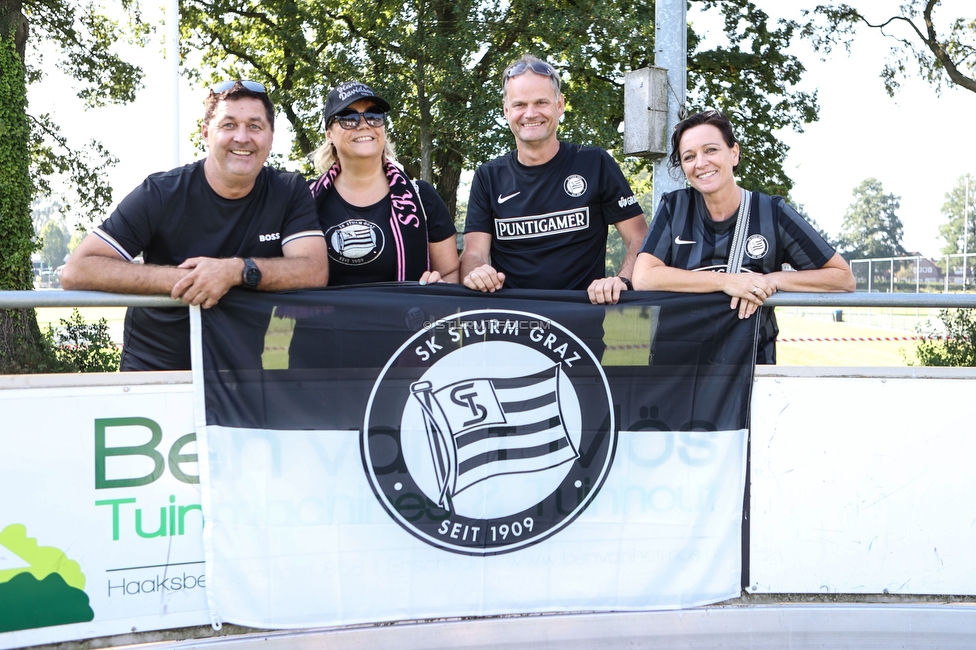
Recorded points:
(549,222)
(361,241)
(361,250)
(176,215)
(683,235)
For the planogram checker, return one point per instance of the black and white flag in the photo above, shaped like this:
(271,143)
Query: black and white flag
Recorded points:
(400,452)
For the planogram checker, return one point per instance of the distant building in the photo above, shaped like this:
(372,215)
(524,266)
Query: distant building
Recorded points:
(928,271)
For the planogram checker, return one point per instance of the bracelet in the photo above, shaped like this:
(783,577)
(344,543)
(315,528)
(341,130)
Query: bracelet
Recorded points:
(627,282)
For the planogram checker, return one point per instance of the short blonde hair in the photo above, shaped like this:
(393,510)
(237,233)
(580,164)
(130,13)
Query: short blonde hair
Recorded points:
(325,156)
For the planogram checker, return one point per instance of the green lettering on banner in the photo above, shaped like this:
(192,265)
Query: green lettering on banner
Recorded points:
(148,450)
(115,513)
(176,458)
(172,518)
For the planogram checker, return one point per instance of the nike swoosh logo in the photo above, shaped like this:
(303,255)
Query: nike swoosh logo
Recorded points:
(502,199)
(679,240)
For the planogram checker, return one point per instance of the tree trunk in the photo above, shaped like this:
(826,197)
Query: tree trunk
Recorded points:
(22,348)
(423,101)
(449,163)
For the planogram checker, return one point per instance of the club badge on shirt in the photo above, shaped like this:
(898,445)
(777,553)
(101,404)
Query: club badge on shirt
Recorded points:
(575,185)
(355,242)
(756,246)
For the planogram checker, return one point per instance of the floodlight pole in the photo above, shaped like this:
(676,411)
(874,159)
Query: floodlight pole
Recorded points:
(671,53)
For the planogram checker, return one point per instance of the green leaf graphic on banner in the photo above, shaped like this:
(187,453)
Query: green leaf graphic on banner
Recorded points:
(48,591)
(26,603)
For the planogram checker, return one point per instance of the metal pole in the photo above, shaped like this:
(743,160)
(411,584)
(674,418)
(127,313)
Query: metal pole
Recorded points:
(670,52)
(173,58)
(965,235)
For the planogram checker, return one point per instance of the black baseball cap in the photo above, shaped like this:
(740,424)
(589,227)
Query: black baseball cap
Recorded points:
(346,94)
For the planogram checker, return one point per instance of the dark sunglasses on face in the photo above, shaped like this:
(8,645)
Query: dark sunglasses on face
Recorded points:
(538,67)
(350,119)
(224,86)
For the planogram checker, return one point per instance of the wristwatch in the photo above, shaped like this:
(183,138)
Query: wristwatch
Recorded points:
(252,274)
(627,282)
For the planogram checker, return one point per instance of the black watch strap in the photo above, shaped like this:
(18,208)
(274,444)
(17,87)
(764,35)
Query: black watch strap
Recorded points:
(251,277)
(627,283)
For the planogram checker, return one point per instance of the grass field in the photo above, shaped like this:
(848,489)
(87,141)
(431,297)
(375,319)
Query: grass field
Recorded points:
(825,352)
(628,333)
(114,316)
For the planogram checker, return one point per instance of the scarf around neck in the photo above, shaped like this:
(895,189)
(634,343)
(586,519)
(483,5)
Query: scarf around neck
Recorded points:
(407,219)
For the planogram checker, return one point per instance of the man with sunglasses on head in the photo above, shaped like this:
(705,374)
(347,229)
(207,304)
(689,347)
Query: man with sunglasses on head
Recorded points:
(224,221)
(538,216)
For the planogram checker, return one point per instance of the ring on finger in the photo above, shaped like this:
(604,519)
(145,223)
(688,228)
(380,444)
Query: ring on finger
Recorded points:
(756,290)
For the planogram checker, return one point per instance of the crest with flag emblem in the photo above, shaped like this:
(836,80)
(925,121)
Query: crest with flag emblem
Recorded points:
(503,440)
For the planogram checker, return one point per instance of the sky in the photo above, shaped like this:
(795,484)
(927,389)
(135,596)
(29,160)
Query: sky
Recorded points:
(911,143)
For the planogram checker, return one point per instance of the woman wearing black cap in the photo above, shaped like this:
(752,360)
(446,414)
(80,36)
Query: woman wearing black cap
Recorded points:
(379,225)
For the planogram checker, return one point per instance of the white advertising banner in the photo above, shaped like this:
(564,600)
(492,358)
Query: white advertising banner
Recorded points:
(100,517)
(863,485)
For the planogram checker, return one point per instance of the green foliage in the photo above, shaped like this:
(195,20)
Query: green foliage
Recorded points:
(918,45)
(954,210)
(440,62)
(76,238)
(54,244)
(871,226)
(86,39)
(16,228)
(750,80)
(84,347)
(957,348)
(83,186)
(32,148)
(21,347)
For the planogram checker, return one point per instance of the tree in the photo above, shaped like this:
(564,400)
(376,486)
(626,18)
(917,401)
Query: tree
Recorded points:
(918,44)
(440,62)
(32,148)
(76,237)
(750,79)
(84,347)
(54,238)
(954,210)
(871,227)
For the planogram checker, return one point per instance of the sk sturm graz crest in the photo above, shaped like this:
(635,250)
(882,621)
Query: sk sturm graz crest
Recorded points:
(501,437)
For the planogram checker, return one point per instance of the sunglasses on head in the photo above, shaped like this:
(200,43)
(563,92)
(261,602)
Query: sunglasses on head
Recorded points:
(538,67)
(224,86)
(349,119)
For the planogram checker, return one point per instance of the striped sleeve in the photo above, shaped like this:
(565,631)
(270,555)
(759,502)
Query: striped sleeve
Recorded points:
(302,234)
(658,240)
(108,239)
(803,247)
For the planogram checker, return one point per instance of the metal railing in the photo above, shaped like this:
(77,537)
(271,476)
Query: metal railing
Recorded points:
(59,298)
